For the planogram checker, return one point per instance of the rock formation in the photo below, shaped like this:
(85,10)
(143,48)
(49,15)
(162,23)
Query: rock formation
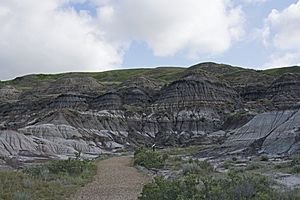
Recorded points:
(234,108)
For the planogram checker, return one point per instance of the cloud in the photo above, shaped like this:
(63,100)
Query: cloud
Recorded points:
(50,36)
(282,60)
(168,27)
(282,32)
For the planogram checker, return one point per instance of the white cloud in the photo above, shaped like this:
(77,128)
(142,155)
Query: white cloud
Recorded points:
(282,60)
(50,36)
(282,32)
(197,27)
(47,36)
(286,24)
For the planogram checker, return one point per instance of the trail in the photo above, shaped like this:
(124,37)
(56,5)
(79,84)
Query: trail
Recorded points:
(116,179)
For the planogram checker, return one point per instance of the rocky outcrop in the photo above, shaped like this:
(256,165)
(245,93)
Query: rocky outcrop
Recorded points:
(9,93)
(110,101)
(274,132)
(284,92)
(74,85)
(69,101)
(58,115)
(195,90)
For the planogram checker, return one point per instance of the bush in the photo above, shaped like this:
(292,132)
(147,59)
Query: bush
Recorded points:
(161,189)
(21,196)
(197,167)
(253,166)
(234,159)
(191,168)
(264,158)
(53,180)
(295,164)
(68,167)
(234,186)
(14,162)
(295,169)
(149,159)
(227,164)
(296,160)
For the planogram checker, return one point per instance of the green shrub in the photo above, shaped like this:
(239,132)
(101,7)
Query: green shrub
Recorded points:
(253,166)
(21,196)
(177,159)
(295,169)
(291,194)
(149,159)
(161,189)
(234,159)
(197,167)
(264,158)
(295,160)
(52,181)
(60,167)
(192,187)
(227,164)
(165,156)
(191,168)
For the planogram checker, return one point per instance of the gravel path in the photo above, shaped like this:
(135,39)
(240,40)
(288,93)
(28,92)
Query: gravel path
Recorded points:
(116,179)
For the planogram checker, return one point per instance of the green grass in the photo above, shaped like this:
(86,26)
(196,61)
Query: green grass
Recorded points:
(55,180)
(162,74)
(280,71)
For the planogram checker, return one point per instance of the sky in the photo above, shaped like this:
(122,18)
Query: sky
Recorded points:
(53,36)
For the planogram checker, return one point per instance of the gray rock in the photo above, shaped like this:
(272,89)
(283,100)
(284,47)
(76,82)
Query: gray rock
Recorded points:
(274,132)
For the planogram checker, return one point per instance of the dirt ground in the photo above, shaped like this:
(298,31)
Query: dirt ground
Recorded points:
(116,179)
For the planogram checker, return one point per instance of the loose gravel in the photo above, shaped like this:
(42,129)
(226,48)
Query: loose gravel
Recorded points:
(116,179)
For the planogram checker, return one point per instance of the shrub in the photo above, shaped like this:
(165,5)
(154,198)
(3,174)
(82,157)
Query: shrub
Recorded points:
(264,158)
(206,165)
(234,186)
(149,159)
(161,189)
(13,162)
(177,159)
(165,156)
(38,171)
(253,166)
(227,164)
(72,167)
(21,196)
(69,167)
(191,168)
(296,160)
(295,169)
(234,159)
(197,167)
(53,180)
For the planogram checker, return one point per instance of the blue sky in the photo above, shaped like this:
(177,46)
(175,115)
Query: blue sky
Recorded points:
(247,53)
(52,36)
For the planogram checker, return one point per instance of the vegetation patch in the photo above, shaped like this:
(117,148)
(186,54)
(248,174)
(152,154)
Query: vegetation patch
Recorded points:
(233,186)
(197,167)
(184,150)
(54,180)
(149,159)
